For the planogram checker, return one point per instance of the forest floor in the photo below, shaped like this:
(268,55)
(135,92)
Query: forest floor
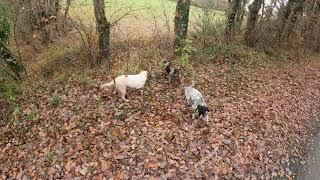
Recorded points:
(263,111)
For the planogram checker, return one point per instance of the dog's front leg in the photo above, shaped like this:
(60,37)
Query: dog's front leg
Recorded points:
(193,114)
(188,101)
(207,120)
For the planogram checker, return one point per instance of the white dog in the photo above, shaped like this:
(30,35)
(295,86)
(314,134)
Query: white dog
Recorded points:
(122,82)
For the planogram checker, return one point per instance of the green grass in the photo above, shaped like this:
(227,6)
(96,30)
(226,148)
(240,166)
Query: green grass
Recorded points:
(145,13)
(33,114)
(61,78)
(55,101)
(53,59)
(8,91)
(86,82)
(49,157)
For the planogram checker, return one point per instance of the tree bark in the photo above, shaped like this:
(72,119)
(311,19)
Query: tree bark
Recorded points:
(181,21)
(296,12)
(103,28)
(28,21)
(66,11)
(292,10)
(12,63)
(254,9)
(234,7)
(240,14)
(311,29)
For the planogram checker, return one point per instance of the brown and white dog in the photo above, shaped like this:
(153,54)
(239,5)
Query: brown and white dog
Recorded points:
(121,83)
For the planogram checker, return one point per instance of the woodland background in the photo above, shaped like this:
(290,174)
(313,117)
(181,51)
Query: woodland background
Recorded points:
(256,63)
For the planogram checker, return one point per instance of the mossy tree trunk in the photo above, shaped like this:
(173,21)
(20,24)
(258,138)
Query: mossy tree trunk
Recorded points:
(103,28)
(65,16)
(233,11)
(288,18)
(181,21)
(296,12)
(254,9)
(13,64)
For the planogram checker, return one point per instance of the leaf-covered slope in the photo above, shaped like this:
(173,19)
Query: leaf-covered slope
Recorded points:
(73,129)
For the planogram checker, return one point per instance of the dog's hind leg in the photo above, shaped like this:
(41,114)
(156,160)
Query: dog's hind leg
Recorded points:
(124,99)
(122,91)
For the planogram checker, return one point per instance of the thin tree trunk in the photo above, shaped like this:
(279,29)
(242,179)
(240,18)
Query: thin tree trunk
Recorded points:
(292,10)
(29,21)
(103,28)
(14,65)
(240,14)
(311,28)
(296,12)
(231,16)
(285,16)
(254,9)
(66,11)
(56,7)
(181,21)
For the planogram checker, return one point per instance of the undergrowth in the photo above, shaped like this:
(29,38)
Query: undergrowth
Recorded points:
(60,64)
(57,58)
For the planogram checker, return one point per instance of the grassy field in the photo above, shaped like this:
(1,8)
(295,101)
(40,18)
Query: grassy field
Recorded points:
(142,17)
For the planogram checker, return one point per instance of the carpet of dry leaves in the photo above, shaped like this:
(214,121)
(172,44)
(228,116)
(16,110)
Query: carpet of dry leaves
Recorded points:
(258,119)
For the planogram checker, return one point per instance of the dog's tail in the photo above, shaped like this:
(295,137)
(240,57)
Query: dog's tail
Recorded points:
(108,84)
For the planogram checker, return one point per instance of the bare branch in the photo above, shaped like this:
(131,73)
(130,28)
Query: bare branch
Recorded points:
(124,15)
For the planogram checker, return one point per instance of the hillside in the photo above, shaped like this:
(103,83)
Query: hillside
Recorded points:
(71,128)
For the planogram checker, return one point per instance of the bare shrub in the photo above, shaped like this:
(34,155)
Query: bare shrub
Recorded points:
(87,34)
(208,29)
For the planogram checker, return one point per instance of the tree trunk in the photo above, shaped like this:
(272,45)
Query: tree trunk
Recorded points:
(234,7)
(27,20)
(292,10)
(240,14)
(285,16)
(254,9)
(181,21)
(56,7)
(11,61)
(54,14)
(296,12)
(66,11)
(103,28)
(311,30)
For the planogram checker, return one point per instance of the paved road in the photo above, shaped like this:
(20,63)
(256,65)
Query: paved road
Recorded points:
(311,170)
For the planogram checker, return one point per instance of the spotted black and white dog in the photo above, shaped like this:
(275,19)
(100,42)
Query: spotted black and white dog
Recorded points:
(171,72)
(195,100)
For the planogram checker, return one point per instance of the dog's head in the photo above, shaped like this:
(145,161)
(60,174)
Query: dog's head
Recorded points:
(167,63)
(167,66)
(145,73)
(202,111)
